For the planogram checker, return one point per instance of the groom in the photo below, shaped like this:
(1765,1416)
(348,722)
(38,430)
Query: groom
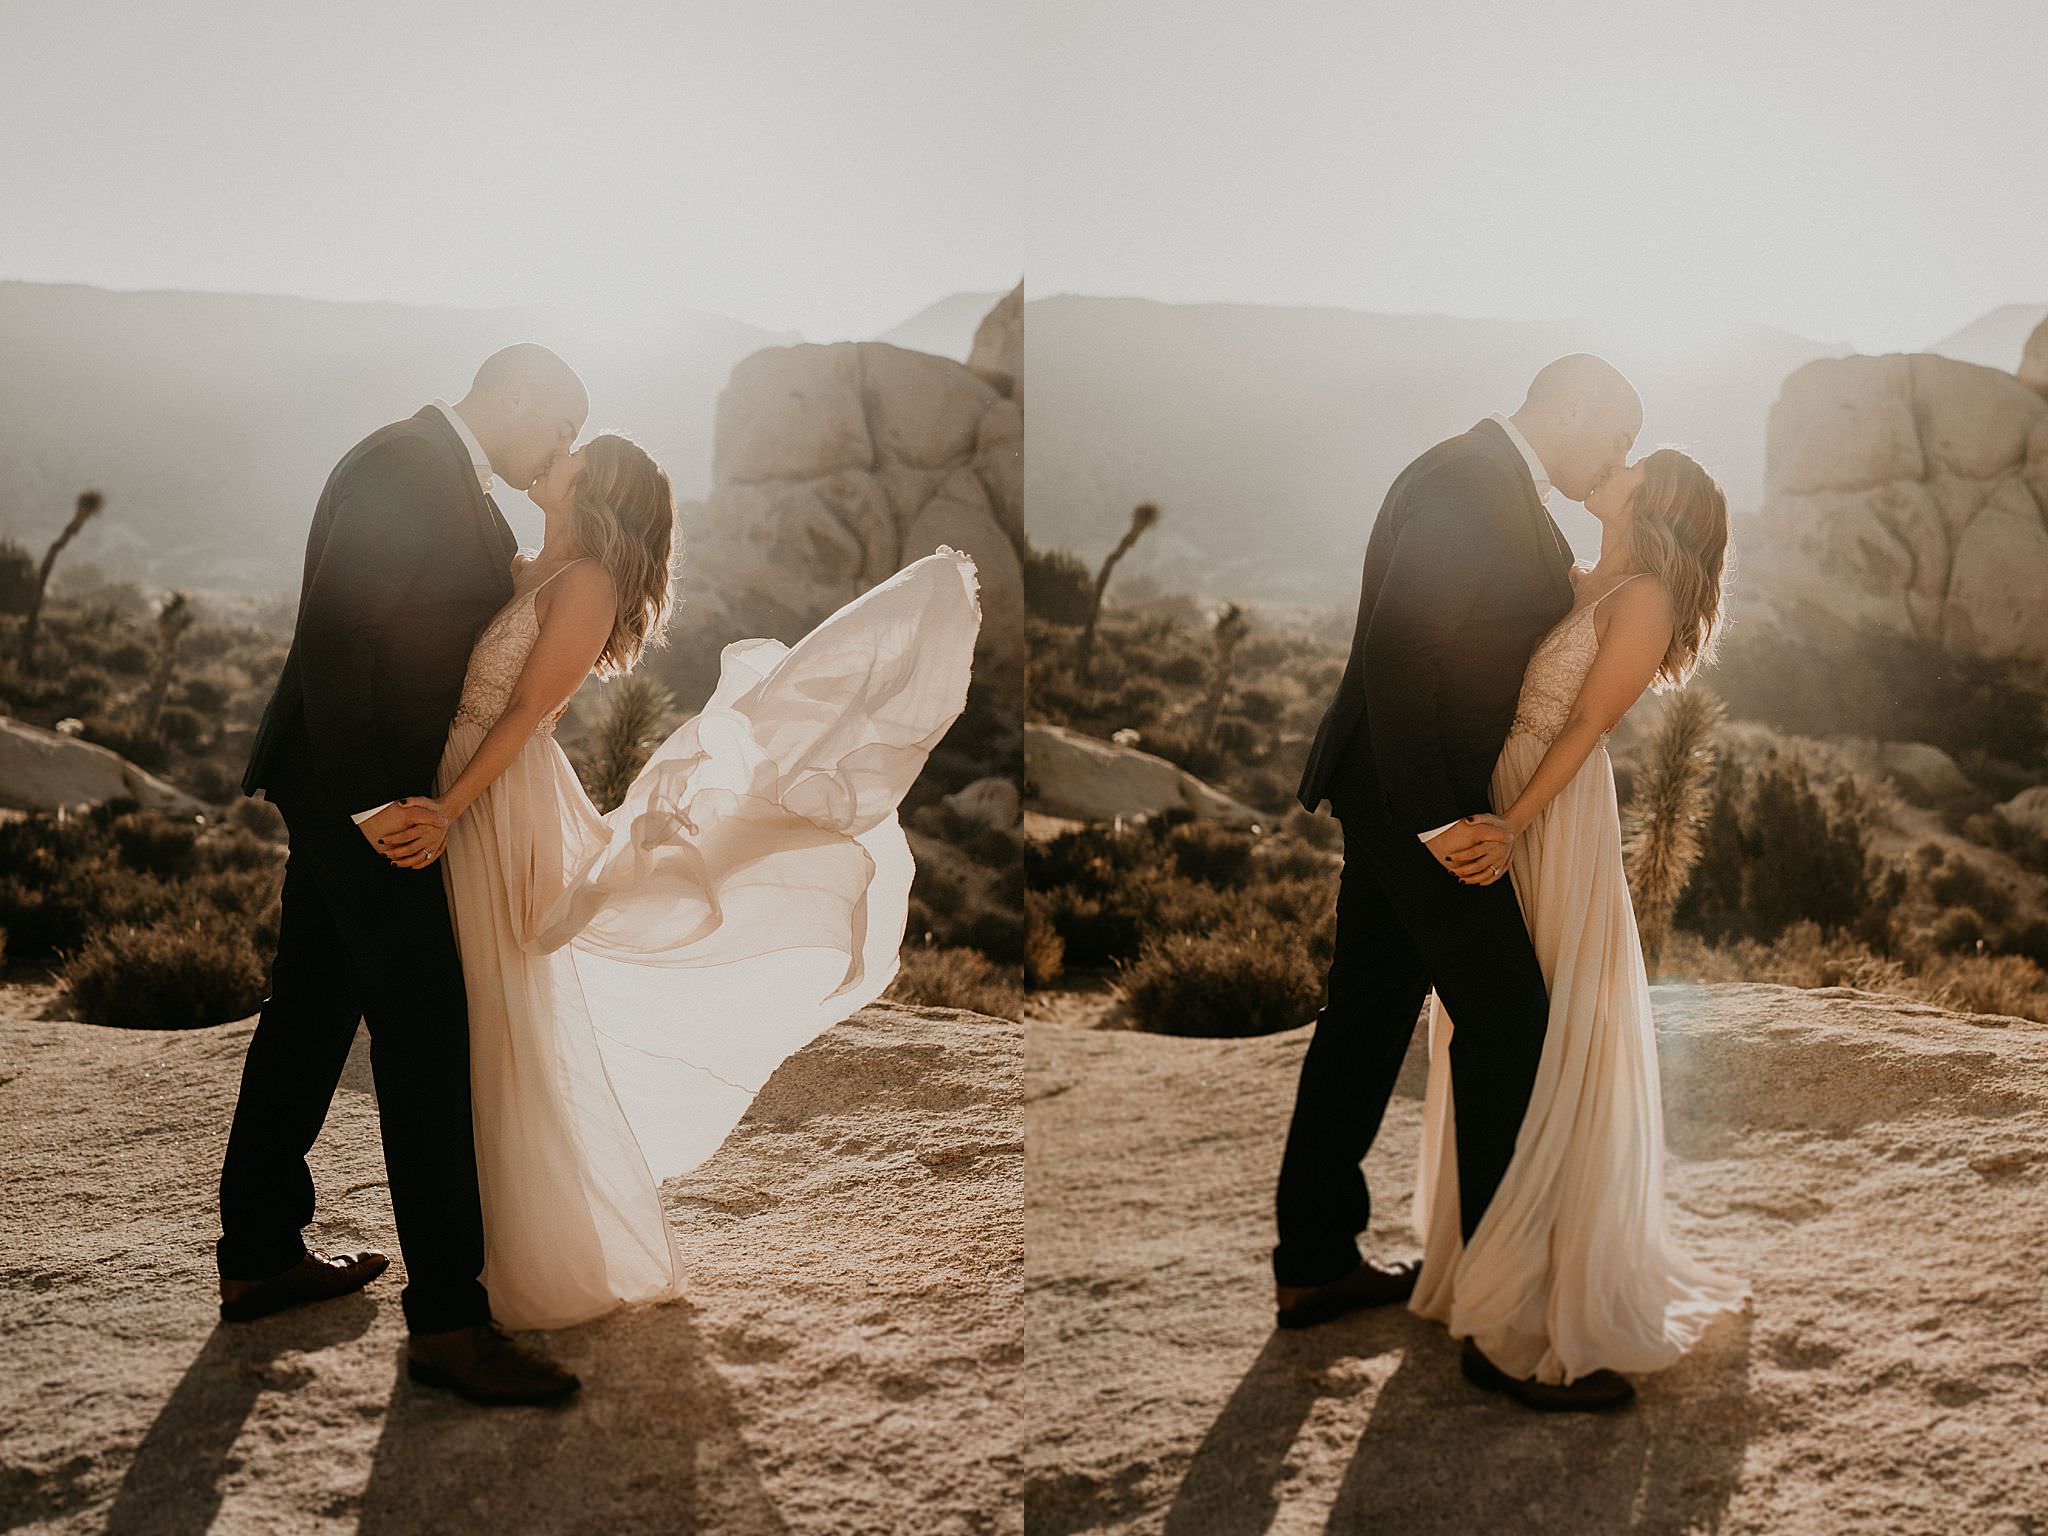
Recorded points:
(407,559)
(1464,572)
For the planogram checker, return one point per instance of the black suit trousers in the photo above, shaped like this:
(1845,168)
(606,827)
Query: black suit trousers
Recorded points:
(361,940)
(1405,925)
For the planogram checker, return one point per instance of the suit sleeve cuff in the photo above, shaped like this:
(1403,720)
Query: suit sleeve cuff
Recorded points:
(1436,831)
(362,816)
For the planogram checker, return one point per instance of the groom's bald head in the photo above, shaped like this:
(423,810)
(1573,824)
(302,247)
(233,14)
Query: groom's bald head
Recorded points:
(525,405)
(1581,415)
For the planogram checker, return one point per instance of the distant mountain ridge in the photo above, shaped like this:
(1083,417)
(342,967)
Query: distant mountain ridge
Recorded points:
(1269,434)
(212,420)
(945,329)
(1993,340)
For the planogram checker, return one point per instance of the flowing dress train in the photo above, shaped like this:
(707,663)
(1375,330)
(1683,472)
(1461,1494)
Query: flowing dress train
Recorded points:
(635,976)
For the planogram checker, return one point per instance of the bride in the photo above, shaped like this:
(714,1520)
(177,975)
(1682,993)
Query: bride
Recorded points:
(633,977)
(1571,1275)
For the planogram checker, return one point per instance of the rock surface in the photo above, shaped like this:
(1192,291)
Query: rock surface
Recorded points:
(998,353)
(1911,492)
(1875,1167)
(1924,771)
(846,1359)
(2029,809)
(993,801)
(2033,371)
(1070,774)
(43,771)
(838,465)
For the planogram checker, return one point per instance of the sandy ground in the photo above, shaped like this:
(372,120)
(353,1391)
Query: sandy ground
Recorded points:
(1875,1167)
(847,1360)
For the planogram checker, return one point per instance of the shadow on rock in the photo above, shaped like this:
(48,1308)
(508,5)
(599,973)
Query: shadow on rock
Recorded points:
(652,1442)
(1437,1455)
(175,1481)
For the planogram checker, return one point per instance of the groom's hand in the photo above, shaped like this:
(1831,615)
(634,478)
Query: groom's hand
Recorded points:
(404,827)
(1473,846)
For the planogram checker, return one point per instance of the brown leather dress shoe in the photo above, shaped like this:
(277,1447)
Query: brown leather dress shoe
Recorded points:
(485,1365)
(1596,1392)
(1369,1285)
(316,1277)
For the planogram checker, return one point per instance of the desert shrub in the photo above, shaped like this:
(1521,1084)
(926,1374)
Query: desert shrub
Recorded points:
(1285,856)
(236,848)
(140,748)
(1960,883)
(1959,928)
(952,977)
(1171,902)
(1093,930)
(185,729)
(996,931)
(1045,955)
(1325,832)
(153,844)
(1260,705)
(208,695)
(1237,737)
(1774,851)
(1233,983)
(131,658)
(185,976)
(1094,858)
(19,577)
(2003,984)
(1214,854)
(1185,668)
(1140,699)
(211,781)
(259,817)
(1058,586)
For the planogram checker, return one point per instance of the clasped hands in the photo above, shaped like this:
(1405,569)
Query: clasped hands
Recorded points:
(411,833)
(1476,849)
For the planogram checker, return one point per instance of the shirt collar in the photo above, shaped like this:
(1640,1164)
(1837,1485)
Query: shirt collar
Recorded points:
(479,460)
(1536,470)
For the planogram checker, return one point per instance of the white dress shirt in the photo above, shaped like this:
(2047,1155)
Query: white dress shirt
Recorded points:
(481,463)
(1541,476)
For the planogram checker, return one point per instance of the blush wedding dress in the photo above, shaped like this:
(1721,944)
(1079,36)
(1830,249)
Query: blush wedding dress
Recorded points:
(635,976)
(1571,1268)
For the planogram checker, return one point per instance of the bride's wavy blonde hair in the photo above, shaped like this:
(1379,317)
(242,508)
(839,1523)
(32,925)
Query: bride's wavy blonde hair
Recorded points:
(624,517)
(1678,530)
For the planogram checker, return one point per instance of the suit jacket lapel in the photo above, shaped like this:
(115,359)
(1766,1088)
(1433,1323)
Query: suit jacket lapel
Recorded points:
(496,533)
(1552,545)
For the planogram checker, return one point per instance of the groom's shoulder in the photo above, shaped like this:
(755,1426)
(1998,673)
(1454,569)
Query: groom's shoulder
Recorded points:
(400,446)
(1461,466)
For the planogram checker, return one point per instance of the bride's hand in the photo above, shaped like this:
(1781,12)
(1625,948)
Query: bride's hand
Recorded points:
(427,841)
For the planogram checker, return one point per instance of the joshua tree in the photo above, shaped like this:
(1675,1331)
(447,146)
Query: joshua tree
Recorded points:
(1232,625)
(88,507)
(173,618)
(1144,516)
(1666,812)
(634,718)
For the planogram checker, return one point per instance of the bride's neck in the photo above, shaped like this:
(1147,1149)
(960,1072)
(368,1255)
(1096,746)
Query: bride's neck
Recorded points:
(1615,557)
(557,540)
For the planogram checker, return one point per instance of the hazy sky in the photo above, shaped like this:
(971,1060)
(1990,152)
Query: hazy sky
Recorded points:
(1873,172)
(826,167)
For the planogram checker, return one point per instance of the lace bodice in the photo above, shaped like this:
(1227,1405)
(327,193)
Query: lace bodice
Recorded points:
(1557,670)
(497,659)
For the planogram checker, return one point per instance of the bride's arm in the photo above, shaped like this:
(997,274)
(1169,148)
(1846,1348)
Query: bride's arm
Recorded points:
(580,606)
(1639,626)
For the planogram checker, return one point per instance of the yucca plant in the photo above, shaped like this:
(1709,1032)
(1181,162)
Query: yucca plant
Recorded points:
(1225,636)
(1144,517)
(173,617)
(87,508)
(631,722)
(1666,812)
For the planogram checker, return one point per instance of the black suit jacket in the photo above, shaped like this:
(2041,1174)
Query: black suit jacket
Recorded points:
(1464,573)
(406,561)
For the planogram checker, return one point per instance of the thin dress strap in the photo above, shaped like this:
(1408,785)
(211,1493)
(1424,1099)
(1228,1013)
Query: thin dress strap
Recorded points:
(1639,575)
(581,558)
